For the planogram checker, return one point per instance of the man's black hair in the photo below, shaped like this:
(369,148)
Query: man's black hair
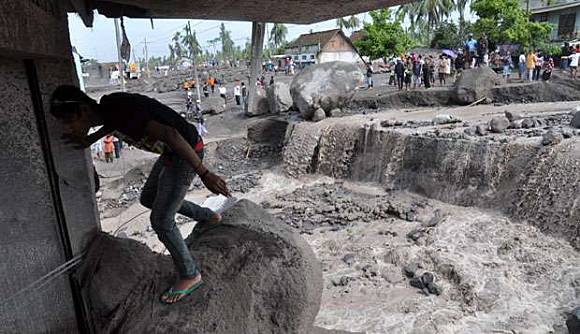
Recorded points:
(66,99)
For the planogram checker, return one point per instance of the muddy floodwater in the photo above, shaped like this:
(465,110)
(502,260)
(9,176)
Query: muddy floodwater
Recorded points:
(419,227)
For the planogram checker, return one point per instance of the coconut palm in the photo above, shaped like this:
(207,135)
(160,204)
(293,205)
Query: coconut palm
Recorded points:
(278,35)
(460,6)
(342,23)
(190,42)
(433,11)
(348,23)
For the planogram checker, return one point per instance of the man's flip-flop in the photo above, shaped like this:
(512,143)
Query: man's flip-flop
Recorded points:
(169,293)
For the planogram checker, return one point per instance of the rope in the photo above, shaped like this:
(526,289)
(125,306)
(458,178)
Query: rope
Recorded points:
(48,278)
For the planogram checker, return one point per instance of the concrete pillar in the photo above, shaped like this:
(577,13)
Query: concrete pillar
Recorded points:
(258,33)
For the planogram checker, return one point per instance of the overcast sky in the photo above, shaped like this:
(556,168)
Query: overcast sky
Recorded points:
(99,42)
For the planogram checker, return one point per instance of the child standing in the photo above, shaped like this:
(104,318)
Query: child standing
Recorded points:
(109,148)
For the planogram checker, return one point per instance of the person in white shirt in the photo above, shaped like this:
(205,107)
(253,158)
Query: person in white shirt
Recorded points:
(574,59)
(222,90)
(522,66)
(238,93)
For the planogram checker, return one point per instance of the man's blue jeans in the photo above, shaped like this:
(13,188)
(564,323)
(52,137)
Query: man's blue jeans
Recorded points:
(164,194)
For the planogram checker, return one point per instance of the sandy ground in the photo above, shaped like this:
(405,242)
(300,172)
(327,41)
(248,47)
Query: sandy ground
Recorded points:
(494,275)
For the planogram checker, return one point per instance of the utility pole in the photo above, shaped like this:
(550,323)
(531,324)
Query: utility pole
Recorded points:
(197,83)
(146,58)
(119,59)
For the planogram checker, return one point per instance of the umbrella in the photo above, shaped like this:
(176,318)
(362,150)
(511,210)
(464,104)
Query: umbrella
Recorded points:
(450,53)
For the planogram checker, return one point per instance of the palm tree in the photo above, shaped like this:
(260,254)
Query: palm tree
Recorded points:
(348,23)
(460,6)
(227,42)
(278,35)
(433,11)
(177,48)
(189,40)
(342,23)
(353,22)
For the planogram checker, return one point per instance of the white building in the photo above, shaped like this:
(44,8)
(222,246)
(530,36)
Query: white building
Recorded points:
(322,47)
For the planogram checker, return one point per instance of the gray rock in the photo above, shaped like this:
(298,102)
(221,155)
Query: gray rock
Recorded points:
(481,130)
(392,277)
(567,134)
(498,124)
(474,84)
(262,105)
(123,280)
(214,105)
(328,86)
(342,281)
(552,138)
(445,119)
(268,131)
(279,98)
(528,123)
(573,321)
(513,116)
(575,123)
(517,124)
(318,115)
(349,259)
(470,131)
(410,270)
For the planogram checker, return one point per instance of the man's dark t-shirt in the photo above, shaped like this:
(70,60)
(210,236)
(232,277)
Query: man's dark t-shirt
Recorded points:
(128,114)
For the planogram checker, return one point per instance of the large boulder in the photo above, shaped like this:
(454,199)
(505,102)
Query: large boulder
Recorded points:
(575,123)
(262,106)
(268,131)
(279,98)
(259,277)
(213,105)
(474,84)
(327,86)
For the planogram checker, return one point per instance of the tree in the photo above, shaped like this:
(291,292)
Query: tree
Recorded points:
(384,36)
(460,6)
(446,36)
(505,21)
(349,23)
(278,35)
(432,11)
(227,42)
(190,42)
(177,47)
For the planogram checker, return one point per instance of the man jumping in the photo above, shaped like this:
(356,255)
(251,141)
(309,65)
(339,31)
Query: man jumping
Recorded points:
(152,126)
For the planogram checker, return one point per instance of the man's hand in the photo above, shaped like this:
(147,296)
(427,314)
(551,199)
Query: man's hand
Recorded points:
(79,142)
(215,184)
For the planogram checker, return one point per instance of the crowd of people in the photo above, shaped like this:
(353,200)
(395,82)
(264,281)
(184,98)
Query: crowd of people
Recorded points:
(413,70)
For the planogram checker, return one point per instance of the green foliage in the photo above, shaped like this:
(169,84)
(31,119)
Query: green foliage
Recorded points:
(227,42)
(552,49)
(190,43)
(446,36)
(278,34)
(384,36)
(504,21)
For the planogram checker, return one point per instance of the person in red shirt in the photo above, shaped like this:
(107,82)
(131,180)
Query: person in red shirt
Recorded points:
(148,124)
(109,148)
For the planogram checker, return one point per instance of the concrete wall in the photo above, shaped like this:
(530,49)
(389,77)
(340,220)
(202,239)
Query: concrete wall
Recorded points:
(347,56)
(32,208)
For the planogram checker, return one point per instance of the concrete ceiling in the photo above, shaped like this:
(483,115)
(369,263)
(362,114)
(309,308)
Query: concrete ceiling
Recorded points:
(282,11)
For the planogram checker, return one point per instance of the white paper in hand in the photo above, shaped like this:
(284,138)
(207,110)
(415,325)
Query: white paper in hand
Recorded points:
(219,203)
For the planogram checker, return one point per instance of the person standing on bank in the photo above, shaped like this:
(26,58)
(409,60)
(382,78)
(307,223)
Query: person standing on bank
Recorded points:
(150,125)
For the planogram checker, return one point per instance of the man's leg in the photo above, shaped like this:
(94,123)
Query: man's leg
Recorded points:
(173,182)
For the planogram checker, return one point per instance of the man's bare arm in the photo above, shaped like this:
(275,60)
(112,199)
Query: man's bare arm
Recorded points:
(175,141)
(84,141)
